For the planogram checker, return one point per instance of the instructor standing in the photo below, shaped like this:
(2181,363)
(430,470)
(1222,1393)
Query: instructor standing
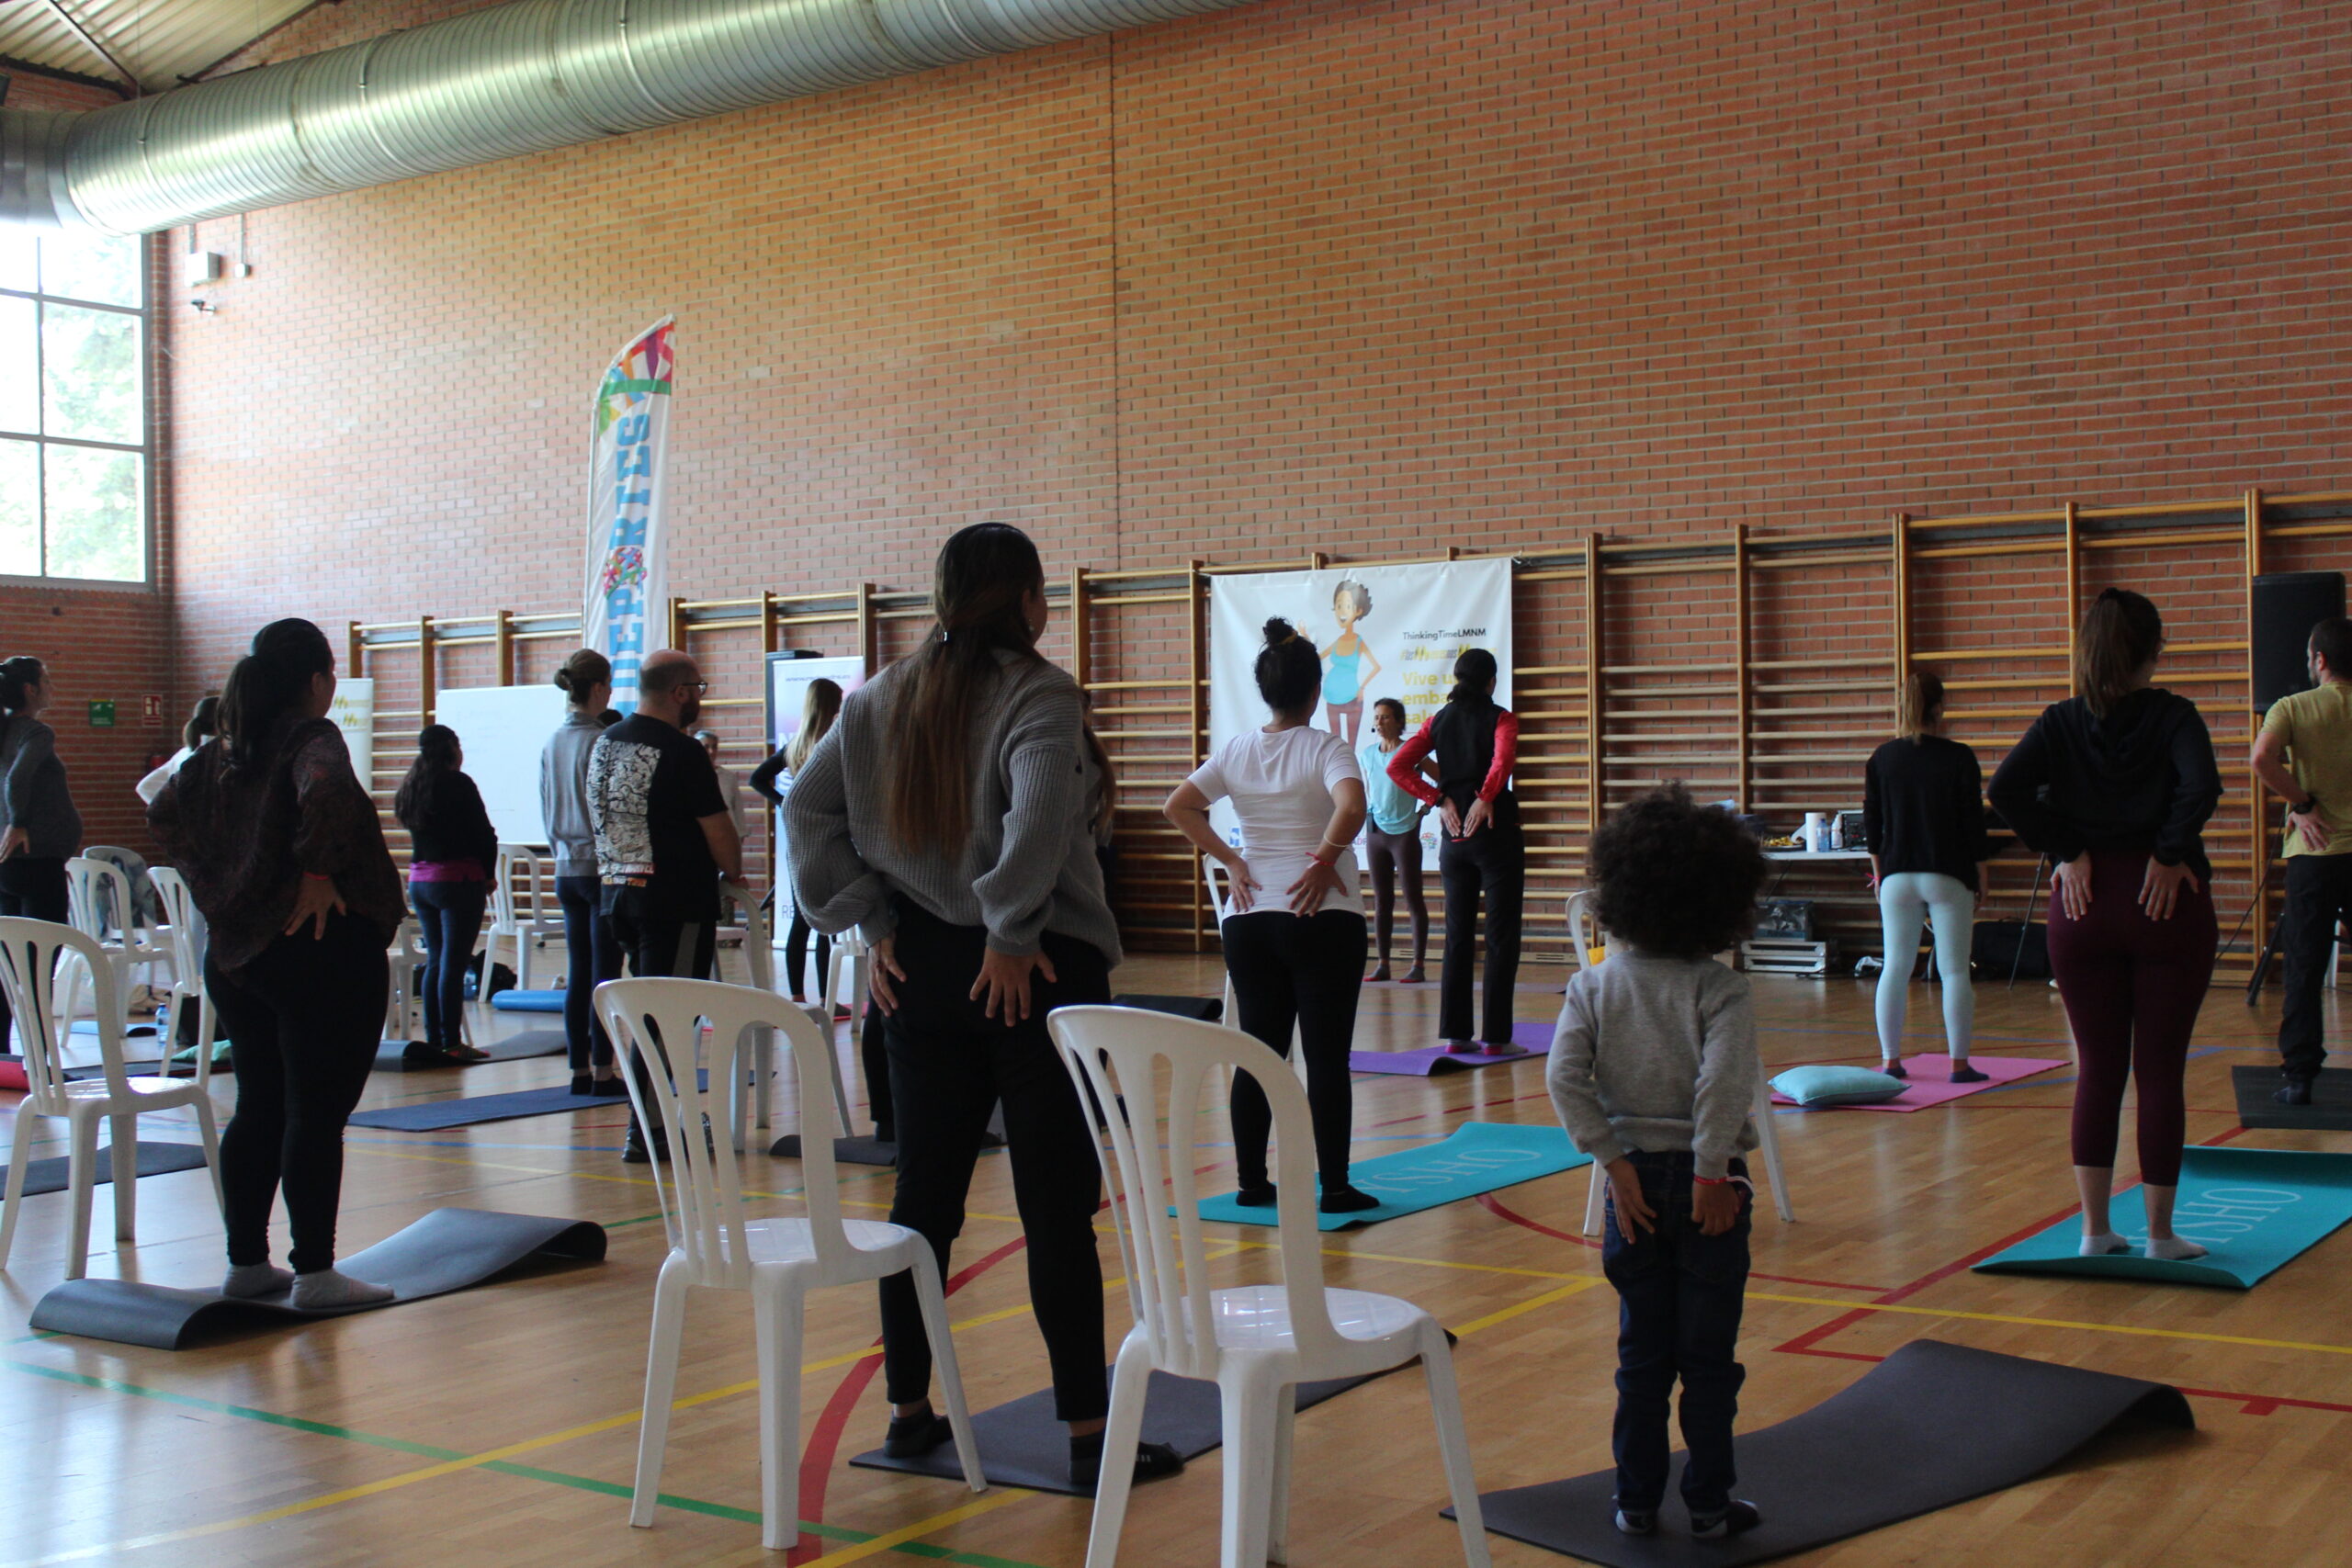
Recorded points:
(2304,753)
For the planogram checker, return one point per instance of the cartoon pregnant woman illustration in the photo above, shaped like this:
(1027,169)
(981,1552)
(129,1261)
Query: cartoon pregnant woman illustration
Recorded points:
(1349,665)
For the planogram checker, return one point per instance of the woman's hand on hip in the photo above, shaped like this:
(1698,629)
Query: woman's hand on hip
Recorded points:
(14,841)
(2070,880)
(1450,816)
(1240,885)
(1315,884)
(2160,889)
(313,902)
(1004,983)
(1482,811)
(883,969)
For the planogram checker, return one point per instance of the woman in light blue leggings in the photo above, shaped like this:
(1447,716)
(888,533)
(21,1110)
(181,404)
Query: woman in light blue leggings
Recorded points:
(1923,811)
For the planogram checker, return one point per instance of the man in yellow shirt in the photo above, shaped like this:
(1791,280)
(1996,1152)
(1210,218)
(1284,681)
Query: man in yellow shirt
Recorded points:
(2304,753)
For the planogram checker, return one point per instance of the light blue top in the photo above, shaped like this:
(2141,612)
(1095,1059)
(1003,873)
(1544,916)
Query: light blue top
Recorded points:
(1394,810)
(1342,685)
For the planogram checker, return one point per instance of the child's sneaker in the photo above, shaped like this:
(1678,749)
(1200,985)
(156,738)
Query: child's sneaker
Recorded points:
(1736,1519)
(1637,1521)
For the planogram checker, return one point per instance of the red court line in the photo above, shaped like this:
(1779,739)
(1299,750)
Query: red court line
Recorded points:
(2250,1403)
(1495,1206)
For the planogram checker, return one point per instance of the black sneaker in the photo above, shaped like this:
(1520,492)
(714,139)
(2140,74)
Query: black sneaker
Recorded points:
(1637,1521)
(2293,1091)
(1738,1518)
(1962,1073)
(635,1152)
(911,1437)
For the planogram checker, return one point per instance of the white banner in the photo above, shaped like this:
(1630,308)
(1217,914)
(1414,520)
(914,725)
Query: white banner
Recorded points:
(1384,631)
(628,590)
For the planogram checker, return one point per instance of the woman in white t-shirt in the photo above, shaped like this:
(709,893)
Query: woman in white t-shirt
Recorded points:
(1294,944)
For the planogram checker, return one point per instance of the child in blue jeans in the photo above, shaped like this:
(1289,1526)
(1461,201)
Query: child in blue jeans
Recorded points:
(1653,1071)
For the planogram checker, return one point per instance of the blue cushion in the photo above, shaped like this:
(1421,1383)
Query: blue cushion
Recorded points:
(1837,1086)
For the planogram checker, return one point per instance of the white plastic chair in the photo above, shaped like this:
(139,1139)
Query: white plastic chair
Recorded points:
(403,1008)
(29,955)
(1221,904)
(1256,1342)
(712,1243)
(508,922)
(758,1110)
(184,928)
(98,904)
(848,968)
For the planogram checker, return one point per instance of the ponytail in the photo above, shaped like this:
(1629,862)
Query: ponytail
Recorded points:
(1918,705)
(581,673)
(202,725)
(2120,635)
(267,681)
(437,759)
(1474,677)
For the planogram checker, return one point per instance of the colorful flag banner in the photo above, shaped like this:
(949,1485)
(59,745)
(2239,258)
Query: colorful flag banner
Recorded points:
(628,551)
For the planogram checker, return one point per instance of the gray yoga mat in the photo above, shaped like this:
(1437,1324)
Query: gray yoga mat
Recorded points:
(514,1048)
(2330,1109)
(155,1159)
(846,1151)
(1931,1425)
(1024,1444)
(448,1249)
(433,1116)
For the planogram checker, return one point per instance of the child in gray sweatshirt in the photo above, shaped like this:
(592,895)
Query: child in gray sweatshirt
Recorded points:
(1653,1071)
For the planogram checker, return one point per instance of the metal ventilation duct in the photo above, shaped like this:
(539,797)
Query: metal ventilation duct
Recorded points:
(521,77)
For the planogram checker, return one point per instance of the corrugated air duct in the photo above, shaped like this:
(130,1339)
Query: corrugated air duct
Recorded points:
(521,77)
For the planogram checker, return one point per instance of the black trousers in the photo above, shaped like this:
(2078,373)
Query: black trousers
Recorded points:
(795,956)
(31,888)
(592,956)
(1389,858)
(658,947)
(1309,973)
(1493,861)
(303,1020)
(949,1067)
(2319,898)
(450,915)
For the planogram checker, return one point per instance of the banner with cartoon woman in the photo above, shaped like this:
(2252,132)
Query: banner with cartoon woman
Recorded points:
(627,584)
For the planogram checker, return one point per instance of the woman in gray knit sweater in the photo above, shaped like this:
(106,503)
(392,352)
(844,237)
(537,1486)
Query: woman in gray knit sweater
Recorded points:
(946,814)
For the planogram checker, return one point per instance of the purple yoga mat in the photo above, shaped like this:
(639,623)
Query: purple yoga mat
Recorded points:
(1932,1082)
(1532,1038)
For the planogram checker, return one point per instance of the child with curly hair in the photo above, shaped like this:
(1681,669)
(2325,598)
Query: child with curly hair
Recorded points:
(1653,1071)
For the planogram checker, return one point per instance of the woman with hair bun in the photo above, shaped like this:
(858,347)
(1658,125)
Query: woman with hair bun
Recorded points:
(592,954)
(1299,963)
(282,847)
(42,829)
(2115,785)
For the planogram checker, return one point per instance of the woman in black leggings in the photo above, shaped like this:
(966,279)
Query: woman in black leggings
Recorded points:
(43,828)
(286,857)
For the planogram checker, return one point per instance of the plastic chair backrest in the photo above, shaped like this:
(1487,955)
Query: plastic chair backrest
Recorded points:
(1214,872)
(1583,928)
(701,1193)
(98,899)
(1116,1055)
(183,928)
(503,913)
(29,951)
(757,951)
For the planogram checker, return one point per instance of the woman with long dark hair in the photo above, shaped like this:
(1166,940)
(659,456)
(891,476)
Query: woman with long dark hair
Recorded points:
(282,847)
(946,814)
(39,829)
(2115,785)
(592,954)
(1477,746)
(453,851)
(1295,942)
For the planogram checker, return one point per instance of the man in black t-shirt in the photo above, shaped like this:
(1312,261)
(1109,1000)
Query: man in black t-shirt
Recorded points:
(664,836)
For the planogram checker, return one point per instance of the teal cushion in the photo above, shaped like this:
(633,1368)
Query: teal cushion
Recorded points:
(1837,1086)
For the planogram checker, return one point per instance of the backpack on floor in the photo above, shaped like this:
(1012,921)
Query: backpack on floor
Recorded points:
(1993,949)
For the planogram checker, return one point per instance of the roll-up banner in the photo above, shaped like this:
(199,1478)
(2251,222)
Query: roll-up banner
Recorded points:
(627,552)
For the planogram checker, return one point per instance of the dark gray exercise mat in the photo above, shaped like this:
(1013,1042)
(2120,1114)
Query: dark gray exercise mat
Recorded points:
(155,1159)
(1024,1444)
(846,1151)
(449,1249)
(391,1056)
(434,1115)
(2330,1109)
(1931,1425)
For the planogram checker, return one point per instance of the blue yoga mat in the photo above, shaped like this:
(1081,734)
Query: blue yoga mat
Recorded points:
(1478,1157)
(434,1116)
(2253,1210)
(513,1000)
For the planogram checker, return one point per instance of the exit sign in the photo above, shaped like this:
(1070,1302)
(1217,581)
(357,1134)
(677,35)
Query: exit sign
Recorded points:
(102,715)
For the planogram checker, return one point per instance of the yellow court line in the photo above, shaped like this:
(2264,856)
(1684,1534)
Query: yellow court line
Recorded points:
(1546,1298)
(2059,1323)
(897,1538)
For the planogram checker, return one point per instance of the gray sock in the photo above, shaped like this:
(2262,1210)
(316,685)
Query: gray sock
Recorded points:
(248,1281)
(331,1288)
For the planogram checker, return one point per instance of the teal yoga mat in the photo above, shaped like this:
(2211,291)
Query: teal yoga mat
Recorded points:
(1478,1157)
(2253,1210)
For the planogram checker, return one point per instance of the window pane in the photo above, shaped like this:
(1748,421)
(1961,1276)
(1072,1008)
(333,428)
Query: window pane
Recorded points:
(20,366)
(90,266)
(95,526)
(20,509)
(16,252)
(90,367)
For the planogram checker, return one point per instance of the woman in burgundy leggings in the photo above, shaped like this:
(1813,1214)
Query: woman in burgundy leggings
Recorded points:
(2114,785)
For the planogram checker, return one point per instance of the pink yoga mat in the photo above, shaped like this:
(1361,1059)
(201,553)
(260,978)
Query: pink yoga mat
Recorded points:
(1932,1081)
(1532,1038)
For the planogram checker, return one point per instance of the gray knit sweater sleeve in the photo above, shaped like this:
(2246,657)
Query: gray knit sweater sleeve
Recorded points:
(1046,793)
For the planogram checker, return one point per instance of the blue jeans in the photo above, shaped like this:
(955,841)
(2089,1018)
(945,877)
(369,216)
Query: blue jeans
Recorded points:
(1679,1295)
(450,914)
(592,956)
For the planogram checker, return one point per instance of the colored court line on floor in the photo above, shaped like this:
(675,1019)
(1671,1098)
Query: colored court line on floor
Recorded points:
(1853,1310)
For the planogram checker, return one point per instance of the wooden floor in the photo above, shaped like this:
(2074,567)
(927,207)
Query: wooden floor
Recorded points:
(497,1426)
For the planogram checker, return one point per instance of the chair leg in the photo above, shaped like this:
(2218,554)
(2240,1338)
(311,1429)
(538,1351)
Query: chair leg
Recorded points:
(123,1145)
(661,1388)
(81,1168)
(1248,1410)
(932,1300)
(1130,1381)
(1767,1134)
(1595,1197)
(1454,1442)
(207,1130)
(776,1320)
(20,1149)
(1278,1502)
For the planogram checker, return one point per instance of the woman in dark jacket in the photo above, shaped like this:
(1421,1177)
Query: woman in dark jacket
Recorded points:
(2114,785)
(42,829)
(453,853)
(283,850)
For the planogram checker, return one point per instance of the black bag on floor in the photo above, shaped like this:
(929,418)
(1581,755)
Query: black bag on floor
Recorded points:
(1993,950)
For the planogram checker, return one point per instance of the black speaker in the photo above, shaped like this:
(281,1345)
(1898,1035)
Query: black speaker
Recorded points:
(2287,605)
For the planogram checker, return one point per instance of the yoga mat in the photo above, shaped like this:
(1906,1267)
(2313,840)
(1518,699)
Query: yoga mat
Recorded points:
(1023,1444)
(514,1048)
(2330,1109)
(435,1115)
(1207,1010)
(513,1000)
(847,1151)
(448,1249)
(1931,1425)
(1477,1156)
(155,1159)
(1530,1039)
(1932,1081)
(2255,1210)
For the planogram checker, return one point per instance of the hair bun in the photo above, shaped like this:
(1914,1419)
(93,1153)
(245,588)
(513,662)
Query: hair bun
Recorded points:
(1279,631)
(563,682)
